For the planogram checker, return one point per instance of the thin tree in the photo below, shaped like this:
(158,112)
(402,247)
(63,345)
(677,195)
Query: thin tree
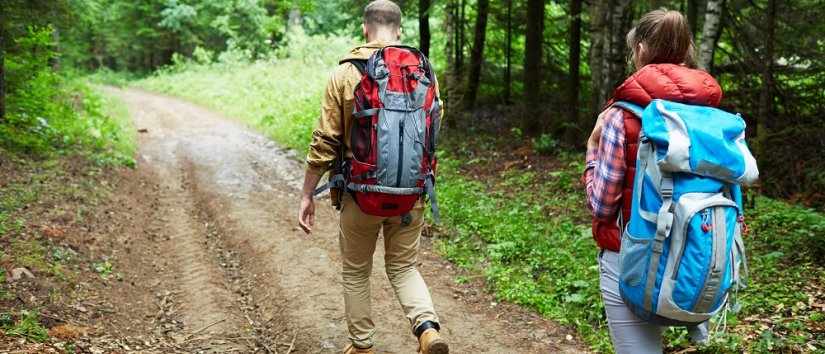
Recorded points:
(532,66)
(450,47)
(598,28)
(2,76)
(573,60)
(710,33)
(615,59)
(508,73)
(611,21)
(693,15)
(424,26)
(766,94)
(477,54)
(459,53)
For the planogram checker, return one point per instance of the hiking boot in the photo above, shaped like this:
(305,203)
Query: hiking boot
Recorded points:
(430,342)
(351,349)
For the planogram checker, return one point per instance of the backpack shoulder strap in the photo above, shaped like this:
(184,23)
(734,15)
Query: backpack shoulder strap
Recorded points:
(360,64)
(631,107)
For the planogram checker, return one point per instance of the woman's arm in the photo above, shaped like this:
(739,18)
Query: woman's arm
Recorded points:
(605,166)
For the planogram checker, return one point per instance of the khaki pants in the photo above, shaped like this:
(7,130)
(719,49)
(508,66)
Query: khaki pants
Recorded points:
(358,236)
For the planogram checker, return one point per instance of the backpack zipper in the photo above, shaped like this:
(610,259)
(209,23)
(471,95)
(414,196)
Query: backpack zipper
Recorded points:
(400,151)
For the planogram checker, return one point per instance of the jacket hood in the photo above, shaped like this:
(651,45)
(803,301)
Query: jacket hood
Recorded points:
(669,82)
(365,50)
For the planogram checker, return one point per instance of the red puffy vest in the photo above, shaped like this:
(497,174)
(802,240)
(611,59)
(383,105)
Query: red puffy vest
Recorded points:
(663,81)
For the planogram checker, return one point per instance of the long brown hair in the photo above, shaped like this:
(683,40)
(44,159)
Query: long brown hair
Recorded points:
(666,38)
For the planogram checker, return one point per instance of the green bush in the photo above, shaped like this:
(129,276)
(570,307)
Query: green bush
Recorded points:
(49,113)
(279,95)
(545,144)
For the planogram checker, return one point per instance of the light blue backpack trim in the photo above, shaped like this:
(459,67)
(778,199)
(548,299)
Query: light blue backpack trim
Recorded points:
(682,250)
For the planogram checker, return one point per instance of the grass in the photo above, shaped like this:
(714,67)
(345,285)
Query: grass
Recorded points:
(27,326)
(278,96)
(528,232)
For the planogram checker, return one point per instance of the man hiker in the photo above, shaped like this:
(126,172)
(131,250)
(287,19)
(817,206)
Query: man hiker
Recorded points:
(377,130)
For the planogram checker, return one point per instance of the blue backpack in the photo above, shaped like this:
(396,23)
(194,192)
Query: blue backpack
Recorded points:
(682,249)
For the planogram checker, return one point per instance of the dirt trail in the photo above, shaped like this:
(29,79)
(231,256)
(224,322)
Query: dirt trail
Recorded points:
(245,279)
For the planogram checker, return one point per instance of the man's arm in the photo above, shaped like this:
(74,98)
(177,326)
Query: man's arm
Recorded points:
(326,142)
(307,217)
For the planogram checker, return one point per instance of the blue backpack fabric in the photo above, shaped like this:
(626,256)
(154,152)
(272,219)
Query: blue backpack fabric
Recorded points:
(682,249)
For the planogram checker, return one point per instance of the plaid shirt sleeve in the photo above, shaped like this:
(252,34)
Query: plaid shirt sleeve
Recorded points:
(605,168)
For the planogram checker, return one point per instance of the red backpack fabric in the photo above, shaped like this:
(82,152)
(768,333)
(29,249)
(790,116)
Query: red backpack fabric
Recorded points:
(670,82)
(394,133)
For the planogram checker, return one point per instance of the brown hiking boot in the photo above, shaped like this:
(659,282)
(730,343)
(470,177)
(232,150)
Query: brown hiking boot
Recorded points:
(351,349)
(430,342)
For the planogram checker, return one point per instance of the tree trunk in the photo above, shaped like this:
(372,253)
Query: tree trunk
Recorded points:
(450,84)
(766,95)
(294,21)
(477,55)
(608,56)
(532,66)
(616,47)
(598,22)
(55,59)
(459,63)
(424,26)
(693,15)
(573,60)
(2,76)
(508,74)
(710,34)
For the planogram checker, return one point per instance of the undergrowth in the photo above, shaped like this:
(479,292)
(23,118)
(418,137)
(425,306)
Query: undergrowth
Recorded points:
(55,113)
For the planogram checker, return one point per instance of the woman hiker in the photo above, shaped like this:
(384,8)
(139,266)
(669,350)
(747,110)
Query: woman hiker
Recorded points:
(662,53)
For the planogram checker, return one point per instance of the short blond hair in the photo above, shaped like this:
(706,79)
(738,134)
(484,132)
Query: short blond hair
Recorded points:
(382,13)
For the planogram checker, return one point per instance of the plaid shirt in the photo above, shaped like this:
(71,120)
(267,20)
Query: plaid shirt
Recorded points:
(605,168)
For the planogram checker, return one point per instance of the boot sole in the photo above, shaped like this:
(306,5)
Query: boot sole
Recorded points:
(438,347)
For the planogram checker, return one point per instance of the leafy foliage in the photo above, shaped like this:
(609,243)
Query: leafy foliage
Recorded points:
(50,113)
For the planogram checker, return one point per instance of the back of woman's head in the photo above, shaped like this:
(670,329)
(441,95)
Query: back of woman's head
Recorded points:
(662,36)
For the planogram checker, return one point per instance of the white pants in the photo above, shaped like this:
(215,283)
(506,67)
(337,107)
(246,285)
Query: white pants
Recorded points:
(629,333)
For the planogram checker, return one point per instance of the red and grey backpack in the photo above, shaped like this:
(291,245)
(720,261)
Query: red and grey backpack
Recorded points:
(394,132)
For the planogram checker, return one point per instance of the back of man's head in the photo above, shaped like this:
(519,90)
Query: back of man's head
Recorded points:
(382,15)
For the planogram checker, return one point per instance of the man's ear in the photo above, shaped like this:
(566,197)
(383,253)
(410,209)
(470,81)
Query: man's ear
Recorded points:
(398,35)
(365,32)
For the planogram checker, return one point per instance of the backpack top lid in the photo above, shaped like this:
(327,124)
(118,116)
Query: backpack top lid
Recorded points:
(700,140)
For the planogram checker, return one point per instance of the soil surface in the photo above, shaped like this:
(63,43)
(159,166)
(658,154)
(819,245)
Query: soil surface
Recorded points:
(215,262)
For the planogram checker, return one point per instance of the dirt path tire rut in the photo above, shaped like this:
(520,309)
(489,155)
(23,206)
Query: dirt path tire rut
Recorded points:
(245,279)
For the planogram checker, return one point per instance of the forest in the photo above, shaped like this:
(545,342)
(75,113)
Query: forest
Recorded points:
(523,82)
(543,67)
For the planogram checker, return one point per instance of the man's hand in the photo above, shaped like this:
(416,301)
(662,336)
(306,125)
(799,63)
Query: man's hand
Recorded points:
(306,217)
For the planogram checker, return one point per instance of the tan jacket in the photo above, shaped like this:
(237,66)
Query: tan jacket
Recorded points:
(336,107)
